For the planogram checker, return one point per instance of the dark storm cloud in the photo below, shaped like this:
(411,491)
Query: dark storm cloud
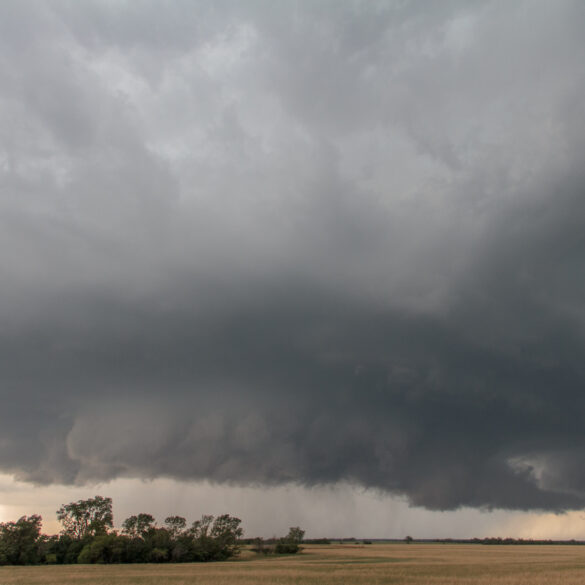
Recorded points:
(308,243)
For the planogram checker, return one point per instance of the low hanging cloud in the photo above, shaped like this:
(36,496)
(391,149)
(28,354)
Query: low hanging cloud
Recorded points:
(307,243)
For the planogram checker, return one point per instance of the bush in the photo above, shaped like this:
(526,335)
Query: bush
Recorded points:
(284,547)
(290,544)
(158,555)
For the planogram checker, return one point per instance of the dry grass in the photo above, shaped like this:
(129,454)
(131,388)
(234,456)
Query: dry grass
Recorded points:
(396,564)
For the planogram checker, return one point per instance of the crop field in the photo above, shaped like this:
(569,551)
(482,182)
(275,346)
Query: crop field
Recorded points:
(397,564)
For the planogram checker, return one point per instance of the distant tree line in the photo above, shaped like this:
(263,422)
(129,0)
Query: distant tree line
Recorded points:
(500,541)
(288,545)
(88,536)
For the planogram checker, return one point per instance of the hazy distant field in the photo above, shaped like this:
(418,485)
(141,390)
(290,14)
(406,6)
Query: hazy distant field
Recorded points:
(341,564)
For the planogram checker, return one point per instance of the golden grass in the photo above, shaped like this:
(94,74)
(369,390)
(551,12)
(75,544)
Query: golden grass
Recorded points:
(377,564)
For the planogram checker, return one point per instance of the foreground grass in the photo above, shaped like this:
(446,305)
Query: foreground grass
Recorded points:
(396,564)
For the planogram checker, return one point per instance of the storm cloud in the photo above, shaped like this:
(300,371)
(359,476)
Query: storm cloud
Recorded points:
(305,242)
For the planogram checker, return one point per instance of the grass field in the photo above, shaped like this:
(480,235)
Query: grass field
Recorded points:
(415,564)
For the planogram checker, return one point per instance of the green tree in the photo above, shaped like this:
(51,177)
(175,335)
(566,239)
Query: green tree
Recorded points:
(226,532)
(20,541)
(105,549)
(84,518)
(200,528)
(159,545)
(175,525)
(295,534)
(290,544)
(138,526)
(215,540)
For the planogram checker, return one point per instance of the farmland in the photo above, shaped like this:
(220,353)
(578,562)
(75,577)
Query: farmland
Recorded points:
(396,564)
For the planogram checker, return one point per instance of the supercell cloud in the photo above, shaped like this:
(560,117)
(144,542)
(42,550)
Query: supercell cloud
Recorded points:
(308,242)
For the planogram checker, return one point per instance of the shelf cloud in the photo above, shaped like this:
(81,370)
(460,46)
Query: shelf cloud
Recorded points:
(310,243)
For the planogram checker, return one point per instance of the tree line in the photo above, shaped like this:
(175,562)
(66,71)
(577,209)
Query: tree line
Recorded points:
(88,536)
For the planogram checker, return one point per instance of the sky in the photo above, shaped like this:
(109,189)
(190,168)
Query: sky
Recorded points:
(318,262)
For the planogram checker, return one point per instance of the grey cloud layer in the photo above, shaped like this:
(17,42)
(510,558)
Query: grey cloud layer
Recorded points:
(308,243)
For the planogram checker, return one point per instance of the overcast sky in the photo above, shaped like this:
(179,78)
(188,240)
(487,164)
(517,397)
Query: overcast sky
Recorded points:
(328,252)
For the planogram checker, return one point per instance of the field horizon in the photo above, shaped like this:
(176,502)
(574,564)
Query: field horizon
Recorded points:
(398,564)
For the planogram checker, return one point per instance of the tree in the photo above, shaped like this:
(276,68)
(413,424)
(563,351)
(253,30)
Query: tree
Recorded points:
(159,545)
(87,536)
(215,540)
(105,548)
(85,518)
(20,541)
(175,525)
(181,543)
(290,544)
(138,526)
(200,528)
(295,534)
(226,532)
